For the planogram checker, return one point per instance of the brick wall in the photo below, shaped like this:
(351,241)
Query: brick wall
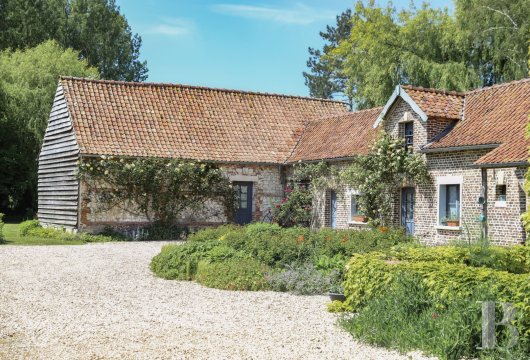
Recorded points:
(503,222)
(267,191)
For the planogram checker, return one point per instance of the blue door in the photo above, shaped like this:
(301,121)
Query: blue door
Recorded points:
(333,210)
(243,214)
(407,210)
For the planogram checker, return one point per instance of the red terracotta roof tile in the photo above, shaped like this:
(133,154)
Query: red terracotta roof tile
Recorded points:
(494,115)
(337,137)
(437,103)
(165,120)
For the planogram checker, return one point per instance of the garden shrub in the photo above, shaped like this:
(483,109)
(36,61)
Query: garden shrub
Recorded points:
(406,317)
(301,261)
(179,262)
(26,226)
(214,233)
(515,259)
(233,274)
(303,279)
(159,231)
(372,275)
(33,228)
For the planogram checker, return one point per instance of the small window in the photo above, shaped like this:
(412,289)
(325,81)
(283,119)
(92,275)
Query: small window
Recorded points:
(449,212)
(500,193)
(354,209)
(409,135)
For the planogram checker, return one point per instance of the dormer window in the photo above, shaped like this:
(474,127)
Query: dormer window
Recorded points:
(409,135)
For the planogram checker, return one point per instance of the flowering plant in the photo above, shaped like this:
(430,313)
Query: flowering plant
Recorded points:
(159,189)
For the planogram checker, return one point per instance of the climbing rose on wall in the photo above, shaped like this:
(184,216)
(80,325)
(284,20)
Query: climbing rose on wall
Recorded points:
(379,175)
(159,189)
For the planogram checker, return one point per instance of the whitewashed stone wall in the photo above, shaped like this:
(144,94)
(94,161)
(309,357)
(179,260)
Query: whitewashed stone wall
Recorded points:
(267,191)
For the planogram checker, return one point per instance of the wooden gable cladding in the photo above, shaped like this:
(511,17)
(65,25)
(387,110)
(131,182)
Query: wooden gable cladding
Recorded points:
(58,186)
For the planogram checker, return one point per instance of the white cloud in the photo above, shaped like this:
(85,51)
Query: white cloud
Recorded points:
(174,27)
(299,14)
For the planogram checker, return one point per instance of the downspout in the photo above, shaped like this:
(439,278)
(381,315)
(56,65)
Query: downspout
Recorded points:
(484,215)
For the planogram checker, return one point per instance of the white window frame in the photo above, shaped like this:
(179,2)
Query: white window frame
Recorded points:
(443,181)
(350,193)
(501,203)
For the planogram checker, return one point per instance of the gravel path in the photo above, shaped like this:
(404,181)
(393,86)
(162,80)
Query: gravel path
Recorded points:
(100,301)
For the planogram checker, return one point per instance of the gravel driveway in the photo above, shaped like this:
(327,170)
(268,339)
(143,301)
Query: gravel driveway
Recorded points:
(100,301)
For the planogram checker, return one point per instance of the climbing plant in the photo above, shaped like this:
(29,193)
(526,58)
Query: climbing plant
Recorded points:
(159,189)
(379,175)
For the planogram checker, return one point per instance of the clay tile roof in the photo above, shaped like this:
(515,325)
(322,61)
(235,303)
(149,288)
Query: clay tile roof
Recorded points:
(165,120)
(339,136)
(494,115)
(437,103)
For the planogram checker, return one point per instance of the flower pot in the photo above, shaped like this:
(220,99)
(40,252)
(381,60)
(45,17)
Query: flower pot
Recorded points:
(360,218)
(454,223)
(336,297)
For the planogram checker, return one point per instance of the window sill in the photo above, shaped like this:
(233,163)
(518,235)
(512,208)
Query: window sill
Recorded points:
(500,204)
(450,228)
(357,223)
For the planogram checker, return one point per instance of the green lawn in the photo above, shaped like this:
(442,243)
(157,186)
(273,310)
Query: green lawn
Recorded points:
(12,237)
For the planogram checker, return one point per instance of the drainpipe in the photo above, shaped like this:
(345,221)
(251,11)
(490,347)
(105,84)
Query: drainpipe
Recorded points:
(484,215)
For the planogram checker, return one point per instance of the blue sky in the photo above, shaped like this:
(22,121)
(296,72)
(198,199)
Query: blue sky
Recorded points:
(235,44)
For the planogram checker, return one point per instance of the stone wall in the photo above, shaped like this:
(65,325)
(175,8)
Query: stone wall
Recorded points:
(322,206)
(267,191)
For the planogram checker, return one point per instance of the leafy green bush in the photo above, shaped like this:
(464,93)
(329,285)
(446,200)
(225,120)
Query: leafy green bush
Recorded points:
(233,274)
(179,262)
(158,231)
(33,228)
(214,233)
(26,226)
(372,275)
(303,279)
(1,227)
(315,259)
(330,242)
(514,259)
(407,317)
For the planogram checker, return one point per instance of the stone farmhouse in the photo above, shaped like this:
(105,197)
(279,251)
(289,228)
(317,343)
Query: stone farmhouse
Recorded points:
(474,145)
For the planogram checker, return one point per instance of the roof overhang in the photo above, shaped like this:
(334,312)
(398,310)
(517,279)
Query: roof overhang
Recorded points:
(501,165)
(458,148)
(399,92)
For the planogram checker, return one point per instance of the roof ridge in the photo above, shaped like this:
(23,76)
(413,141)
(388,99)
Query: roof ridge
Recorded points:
(348,113)
(433,90)
(495,86)
(154,84)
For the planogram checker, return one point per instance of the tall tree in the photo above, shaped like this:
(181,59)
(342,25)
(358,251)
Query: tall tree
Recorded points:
(386,48)
(496,32)
(483,43)
(95,28)
(27,85)
(325,79)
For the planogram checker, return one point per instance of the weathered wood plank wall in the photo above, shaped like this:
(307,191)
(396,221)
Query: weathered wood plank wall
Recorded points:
(58,185)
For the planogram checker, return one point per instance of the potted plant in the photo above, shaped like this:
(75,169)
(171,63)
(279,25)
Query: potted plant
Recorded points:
(336,293)
(360,217)
(452,220)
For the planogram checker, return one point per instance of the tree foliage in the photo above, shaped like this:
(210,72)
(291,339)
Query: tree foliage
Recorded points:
(27,86)
(159,189)
(325,78)
(483,43)
(379,175)
(95,28)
